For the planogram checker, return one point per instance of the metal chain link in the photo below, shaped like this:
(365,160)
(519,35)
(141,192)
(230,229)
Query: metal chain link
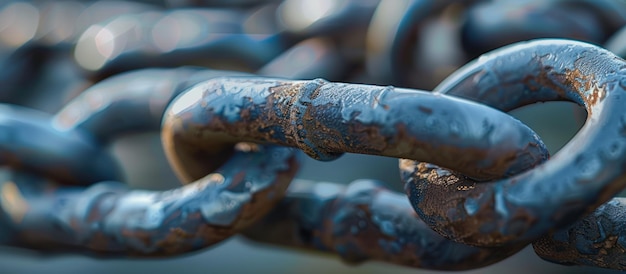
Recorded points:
(236,90)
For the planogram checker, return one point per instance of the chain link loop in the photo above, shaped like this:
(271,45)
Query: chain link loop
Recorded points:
(295,76)
(524,207)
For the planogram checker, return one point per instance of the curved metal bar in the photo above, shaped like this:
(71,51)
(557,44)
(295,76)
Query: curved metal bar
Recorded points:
(597,240)
(392,27)
(583,175)
(494,24)
(111,220)
(133,101)
(153,39)
(214,3)
(58,24)
(36,69)
(329,18)
(327,119)
(365,221)
(611,13)
(28,141)
(309,59)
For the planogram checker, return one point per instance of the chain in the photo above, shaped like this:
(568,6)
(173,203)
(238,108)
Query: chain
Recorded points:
(241,90)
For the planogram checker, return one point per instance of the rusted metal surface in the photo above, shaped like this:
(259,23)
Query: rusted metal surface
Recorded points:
(325,119)
(584,174)
(483,180)
(109,219)
(365,221)
(597,239)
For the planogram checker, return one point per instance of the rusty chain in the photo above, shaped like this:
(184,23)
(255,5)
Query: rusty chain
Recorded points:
(239,89)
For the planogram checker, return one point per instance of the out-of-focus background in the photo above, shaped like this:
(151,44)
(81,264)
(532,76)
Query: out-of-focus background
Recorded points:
(52,50)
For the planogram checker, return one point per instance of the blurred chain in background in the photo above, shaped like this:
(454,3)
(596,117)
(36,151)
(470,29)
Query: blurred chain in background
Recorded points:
(90,66)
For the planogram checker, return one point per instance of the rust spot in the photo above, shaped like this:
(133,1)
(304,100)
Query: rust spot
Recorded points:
(449,156)
(407,165)
(315,93)
(180,233)
(464,187)
(543,79)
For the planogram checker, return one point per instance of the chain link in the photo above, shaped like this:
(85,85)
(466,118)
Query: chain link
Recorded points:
(235,88)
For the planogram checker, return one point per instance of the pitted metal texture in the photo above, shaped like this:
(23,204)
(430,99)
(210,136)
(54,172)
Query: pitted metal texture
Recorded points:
(240,90)
(365,221)
(326,119)
(583,175)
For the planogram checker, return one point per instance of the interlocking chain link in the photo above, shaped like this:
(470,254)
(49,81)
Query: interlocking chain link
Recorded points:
(241,90)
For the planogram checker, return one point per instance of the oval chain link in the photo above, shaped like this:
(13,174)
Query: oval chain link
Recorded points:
(86,73)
